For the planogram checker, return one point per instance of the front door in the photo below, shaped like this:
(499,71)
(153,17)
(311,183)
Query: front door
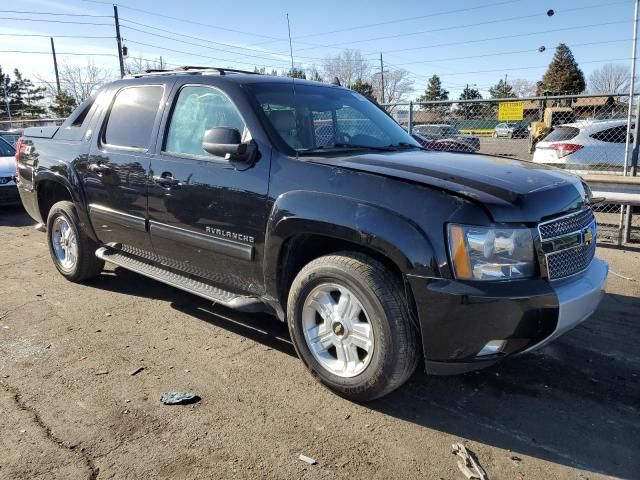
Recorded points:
(207,216)
(116,173)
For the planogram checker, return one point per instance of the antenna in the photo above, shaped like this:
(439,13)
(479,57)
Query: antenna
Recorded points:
(293,79)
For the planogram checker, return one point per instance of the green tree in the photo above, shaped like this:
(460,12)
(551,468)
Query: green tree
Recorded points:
(26,98)
(502,90)
(364,88)
(563,76)
(295,73)
(5,95)
(63,105)
(434,91)
(470,110)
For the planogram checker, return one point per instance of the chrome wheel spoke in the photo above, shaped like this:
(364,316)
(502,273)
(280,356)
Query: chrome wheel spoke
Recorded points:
(338,333)
(348,307)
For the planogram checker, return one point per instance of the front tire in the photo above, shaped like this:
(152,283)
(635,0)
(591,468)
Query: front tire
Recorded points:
(72,251)
(350,325)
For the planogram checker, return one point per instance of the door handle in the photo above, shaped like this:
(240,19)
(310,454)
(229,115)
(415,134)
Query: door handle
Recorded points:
(99,168)
(166,180)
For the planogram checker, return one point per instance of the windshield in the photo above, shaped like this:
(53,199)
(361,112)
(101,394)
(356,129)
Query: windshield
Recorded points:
(324,118)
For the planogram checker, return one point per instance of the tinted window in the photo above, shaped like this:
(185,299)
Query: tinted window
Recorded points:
(6,150)
(198,109)
(559,134)
(613,135)
(132,117)
(326,117)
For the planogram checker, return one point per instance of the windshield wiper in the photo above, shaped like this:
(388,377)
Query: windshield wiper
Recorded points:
(399,145)
(348,145)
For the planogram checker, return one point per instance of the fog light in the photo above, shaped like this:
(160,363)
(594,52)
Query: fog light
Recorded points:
(492,348)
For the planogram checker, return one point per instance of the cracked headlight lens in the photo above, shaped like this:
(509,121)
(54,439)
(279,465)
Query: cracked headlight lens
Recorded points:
(488,253)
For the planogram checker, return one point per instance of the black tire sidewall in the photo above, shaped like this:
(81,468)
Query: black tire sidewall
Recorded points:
(382,358)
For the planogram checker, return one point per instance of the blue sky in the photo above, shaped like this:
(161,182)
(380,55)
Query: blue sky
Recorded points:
(457,40)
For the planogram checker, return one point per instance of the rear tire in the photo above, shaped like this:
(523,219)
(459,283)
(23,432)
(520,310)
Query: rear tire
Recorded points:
(72,251)
(350,325)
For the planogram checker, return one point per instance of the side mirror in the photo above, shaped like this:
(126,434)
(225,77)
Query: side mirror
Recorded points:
(226,142)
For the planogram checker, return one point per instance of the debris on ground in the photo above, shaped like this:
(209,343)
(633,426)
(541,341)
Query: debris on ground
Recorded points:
(631,279)
(179,398)
(102,372)
(136,371)
(515,459)
(306,459)
(468,465)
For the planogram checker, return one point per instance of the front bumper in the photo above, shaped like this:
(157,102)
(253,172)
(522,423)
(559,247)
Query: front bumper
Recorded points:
(458,319)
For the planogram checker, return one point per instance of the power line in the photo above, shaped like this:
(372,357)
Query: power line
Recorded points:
(230,60)
(504,37)
(529,68)
(60,53)
(239,47)
(54,36)
(513,52)
(407,19)
(55,21)
(468,25)
(55,13)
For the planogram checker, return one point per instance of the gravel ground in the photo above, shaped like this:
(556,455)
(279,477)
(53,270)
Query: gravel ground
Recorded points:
(570,411)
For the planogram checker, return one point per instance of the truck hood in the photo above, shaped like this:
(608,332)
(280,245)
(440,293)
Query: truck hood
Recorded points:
(7,166)
(511,190)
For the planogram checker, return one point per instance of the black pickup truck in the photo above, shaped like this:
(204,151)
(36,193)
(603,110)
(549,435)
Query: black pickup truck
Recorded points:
(307,201)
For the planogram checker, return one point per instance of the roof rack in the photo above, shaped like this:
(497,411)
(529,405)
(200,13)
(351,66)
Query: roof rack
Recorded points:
(191,70)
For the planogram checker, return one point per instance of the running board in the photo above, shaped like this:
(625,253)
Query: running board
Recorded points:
(188,284)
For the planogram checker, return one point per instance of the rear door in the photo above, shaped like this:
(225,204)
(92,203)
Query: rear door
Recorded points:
(207,216)
(115,176)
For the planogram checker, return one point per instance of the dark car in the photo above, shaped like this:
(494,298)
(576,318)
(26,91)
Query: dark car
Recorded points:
(445,137)
(320,209)
(11,136)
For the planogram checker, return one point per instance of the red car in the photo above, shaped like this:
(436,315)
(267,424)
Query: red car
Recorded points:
(446,138)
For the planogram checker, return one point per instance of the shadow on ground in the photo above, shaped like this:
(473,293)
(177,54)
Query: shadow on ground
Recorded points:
(574,403)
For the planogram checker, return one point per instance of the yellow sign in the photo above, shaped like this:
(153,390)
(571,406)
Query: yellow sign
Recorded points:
(511,111)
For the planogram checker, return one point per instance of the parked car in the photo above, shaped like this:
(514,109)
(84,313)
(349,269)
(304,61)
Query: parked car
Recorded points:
(511,130)
(445,137)
(8,189)
(11,136)
(374,251)
(593,144)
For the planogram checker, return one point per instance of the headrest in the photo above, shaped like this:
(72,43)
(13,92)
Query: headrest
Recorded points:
(283,120)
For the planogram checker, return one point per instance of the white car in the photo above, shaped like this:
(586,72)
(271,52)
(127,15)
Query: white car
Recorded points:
(589,144)
(8,188)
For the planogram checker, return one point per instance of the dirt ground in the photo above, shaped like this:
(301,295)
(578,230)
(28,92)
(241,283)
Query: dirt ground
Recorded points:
(570,411)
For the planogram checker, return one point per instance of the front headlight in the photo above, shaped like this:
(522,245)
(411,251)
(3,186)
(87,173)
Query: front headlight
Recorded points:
(481,253)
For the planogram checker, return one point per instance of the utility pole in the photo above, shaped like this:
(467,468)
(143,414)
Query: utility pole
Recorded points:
(55,63)
(119,39)
(381,79)
(631,154)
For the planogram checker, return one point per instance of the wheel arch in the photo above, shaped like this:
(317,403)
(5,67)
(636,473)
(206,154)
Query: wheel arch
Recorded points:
(306,225)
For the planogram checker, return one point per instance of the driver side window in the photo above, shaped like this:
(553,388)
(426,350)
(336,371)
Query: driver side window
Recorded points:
(198,109)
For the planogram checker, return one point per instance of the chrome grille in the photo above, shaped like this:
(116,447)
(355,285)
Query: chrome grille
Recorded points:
(570,261)
(566,224)
(569,243)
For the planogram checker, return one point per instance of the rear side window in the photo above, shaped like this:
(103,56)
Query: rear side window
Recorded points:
(132,117)
(613,135)
(560,134)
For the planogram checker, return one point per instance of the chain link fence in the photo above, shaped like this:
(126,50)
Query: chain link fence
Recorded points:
(589,135)
(21,124)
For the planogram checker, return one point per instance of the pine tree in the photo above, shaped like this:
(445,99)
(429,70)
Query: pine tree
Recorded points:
(563,75)
(470,110)
(295,73)
(63,105)
(502,90)
(434,91)
(5,86)
(364,88)
(25,97)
